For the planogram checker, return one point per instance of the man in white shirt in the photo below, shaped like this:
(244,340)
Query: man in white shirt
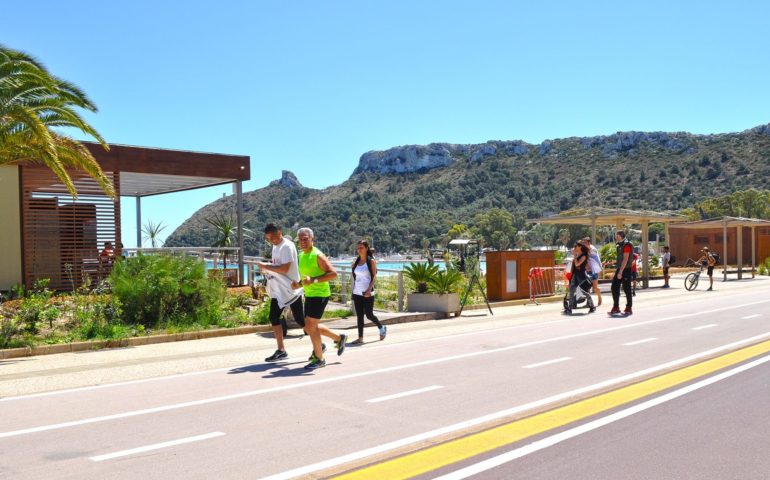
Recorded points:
(280,274)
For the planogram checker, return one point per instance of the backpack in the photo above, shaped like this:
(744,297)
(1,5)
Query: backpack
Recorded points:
(716,258)
(671,259)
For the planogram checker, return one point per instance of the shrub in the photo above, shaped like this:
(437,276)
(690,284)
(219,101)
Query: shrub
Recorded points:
(155,290)
(420,274)
(447,281)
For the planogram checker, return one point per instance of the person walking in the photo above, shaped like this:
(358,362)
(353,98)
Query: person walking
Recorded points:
(594,268)
(579,279)
(666,262)
(315,271)
(364,270)
(281,276)
(708,260)
(622,277)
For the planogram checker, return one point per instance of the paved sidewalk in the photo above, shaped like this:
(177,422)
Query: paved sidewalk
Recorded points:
(45,373)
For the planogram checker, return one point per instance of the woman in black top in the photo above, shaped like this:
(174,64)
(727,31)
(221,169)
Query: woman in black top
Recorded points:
(579,279)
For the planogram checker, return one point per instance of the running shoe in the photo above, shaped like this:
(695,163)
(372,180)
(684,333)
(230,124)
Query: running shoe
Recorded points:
(627,312)
(278,355)
(614,311)
(592,310)
(341,344)
(312,354)
(383,332)
(315,363)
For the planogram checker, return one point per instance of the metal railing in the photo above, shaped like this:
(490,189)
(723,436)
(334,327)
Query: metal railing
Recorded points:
(546,282)
(389,288)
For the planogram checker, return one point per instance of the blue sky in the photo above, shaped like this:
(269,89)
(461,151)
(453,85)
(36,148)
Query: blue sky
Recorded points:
(309,86)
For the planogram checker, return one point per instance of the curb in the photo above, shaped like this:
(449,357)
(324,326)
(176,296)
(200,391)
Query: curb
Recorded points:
(224,332)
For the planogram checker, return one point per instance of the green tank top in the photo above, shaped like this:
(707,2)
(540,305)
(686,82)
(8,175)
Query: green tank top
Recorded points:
(308,266)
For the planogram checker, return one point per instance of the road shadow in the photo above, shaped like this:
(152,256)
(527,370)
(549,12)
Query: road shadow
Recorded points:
(263,367)
(294,372)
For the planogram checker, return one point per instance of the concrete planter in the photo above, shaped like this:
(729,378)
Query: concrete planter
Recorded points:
(433,302)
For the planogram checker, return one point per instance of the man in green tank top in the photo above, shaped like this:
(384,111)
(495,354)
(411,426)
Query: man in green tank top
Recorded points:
(315,271)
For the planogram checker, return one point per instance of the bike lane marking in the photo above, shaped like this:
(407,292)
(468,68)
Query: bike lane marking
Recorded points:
(703,327)
(405,394)
(454,451)
(548,362)
(155,446)
(639,342)
(435,361)
(495,416)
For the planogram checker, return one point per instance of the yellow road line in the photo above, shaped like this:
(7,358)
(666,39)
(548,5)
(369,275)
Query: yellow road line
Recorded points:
(454,451)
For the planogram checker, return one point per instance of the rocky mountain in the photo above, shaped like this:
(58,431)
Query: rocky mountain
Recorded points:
(403,195)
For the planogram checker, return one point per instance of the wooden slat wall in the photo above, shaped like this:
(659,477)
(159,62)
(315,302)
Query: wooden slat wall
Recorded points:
(59,230)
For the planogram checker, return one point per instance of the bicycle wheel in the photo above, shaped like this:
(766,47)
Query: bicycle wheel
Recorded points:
(691,281)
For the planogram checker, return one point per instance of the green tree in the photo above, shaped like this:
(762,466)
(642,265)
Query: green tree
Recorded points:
(226,233)
(32,103)
(152,231)
(495,228)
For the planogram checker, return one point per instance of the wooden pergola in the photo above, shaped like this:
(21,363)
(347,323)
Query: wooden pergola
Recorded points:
(725,223)
(61,235)
(619,217)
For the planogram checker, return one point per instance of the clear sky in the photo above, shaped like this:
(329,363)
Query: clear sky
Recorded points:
(309,86)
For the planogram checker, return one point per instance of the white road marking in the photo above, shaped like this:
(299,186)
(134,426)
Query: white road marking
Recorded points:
(157,446)
(396,444)
(705,326)
(751,316)
(574,432)
(404,394)
(224,398)
(639,342)
(432,339)
(549,362)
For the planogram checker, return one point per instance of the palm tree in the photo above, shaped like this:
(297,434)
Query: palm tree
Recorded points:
(227,233)
(152,232)
(32,103)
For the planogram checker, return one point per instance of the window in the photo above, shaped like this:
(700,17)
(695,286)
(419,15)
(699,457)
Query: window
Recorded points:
(701,240)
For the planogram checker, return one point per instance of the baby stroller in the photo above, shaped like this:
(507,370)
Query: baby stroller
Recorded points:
(579,291)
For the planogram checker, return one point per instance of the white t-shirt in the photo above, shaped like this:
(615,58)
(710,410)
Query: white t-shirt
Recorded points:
(363,279)
(594,261)
(665,259)
(285,252)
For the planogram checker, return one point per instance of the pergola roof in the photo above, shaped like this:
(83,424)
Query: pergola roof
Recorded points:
(608,216)
(722,222)
(147,171)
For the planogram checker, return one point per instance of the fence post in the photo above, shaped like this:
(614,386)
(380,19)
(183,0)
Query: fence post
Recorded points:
(343,288)
(400,291)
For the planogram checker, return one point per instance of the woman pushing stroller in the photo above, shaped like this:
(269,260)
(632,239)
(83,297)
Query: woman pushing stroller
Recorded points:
(579,283)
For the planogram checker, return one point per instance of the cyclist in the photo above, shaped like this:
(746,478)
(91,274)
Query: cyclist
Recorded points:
(708,261)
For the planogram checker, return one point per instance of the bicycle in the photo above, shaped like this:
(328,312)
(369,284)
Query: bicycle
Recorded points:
(691,280)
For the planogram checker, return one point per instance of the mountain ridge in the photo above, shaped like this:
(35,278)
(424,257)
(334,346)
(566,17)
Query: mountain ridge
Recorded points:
(406,194)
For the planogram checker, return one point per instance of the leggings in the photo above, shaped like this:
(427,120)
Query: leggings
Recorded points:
(364,305)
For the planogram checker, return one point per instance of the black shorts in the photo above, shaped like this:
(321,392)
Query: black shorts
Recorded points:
(315,306)
(633,275)
(710,271)
(296,311)
(665,271)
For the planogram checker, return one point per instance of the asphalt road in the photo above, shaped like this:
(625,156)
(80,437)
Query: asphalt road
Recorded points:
(427,382)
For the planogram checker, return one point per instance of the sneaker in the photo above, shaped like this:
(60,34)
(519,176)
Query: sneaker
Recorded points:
(567,312)
(592,310)
(614,311)
(312,354)
(709,289)
(278,355)
(315,363)
(666,286)
(341,344)
(627,312)
(383,332)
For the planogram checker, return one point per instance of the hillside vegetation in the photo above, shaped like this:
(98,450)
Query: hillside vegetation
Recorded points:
(405,195)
